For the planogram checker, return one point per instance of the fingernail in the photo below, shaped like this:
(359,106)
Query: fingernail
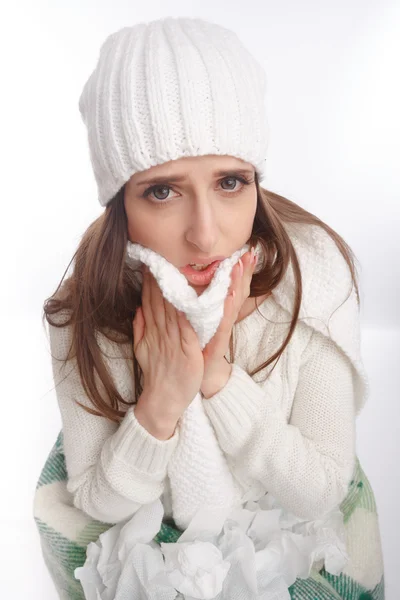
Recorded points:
(241,266)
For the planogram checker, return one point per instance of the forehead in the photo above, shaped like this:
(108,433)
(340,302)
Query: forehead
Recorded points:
(186,167)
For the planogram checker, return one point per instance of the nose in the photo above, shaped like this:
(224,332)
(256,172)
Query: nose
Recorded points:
(203,229)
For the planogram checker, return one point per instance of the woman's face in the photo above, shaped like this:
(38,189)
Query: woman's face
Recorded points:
(194,210)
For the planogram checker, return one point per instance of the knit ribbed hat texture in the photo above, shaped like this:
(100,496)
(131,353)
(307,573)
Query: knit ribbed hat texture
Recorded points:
(172,88)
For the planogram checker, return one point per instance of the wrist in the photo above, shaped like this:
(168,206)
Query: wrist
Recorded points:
(159,427)
(214,384)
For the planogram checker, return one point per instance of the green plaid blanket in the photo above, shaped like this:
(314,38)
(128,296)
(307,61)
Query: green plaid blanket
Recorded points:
(66,531)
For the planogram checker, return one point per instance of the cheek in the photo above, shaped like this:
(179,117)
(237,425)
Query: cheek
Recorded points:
(149,232)
(141,226)
(242,219)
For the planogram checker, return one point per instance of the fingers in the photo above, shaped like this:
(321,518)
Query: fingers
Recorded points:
(146,300)
(248,263)
(241,278)
(157,303)
(162,314)
(187,333)
(171,320)
(244,266)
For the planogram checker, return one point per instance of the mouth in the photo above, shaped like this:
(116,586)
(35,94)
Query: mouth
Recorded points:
(200,277)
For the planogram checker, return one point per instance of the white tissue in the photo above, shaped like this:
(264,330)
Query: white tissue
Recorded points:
(124,560)
(256,552)
(195,568)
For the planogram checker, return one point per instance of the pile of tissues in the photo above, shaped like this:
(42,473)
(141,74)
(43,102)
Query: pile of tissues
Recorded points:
(255,553)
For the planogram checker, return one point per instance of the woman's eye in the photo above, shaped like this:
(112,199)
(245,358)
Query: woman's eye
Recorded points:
(160,192)
(230,179)
(154,189)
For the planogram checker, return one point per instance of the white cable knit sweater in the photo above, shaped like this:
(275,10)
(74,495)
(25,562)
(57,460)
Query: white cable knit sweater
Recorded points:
(293,434)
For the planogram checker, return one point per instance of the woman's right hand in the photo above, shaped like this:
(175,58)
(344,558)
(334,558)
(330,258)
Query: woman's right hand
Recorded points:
(167,349)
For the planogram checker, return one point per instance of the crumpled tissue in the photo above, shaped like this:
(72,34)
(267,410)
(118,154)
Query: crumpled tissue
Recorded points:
(254,552)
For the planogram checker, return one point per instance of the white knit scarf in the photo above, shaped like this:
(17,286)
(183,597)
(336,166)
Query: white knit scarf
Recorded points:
(198,455)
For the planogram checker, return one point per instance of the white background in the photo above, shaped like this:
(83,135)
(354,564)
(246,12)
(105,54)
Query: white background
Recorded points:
(332,107)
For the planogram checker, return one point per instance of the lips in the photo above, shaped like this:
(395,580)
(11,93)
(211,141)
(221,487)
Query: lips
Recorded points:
(205,261)
(200,277)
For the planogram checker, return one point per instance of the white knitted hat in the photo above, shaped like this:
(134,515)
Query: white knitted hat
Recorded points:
(167,89)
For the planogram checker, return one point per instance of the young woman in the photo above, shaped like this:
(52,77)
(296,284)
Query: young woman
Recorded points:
(177,137)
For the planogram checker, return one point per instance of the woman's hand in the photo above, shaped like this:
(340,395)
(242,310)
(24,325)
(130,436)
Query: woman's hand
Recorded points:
(168,351)
(214,352)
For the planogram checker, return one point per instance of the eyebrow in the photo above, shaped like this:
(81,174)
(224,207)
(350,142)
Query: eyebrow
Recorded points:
(177,179)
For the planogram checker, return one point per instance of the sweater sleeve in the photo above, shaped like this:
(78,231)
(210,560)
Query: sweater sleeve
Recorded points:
(112,468)
(306,463)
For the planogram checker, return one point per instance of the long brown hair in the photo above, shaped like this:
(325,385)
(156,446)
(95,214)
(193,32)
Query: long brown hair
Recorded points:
(100,294)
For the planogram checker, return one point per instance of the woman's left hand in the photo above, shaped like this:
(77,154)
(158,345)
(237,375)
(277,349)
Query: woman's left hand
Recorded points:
(214,352)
